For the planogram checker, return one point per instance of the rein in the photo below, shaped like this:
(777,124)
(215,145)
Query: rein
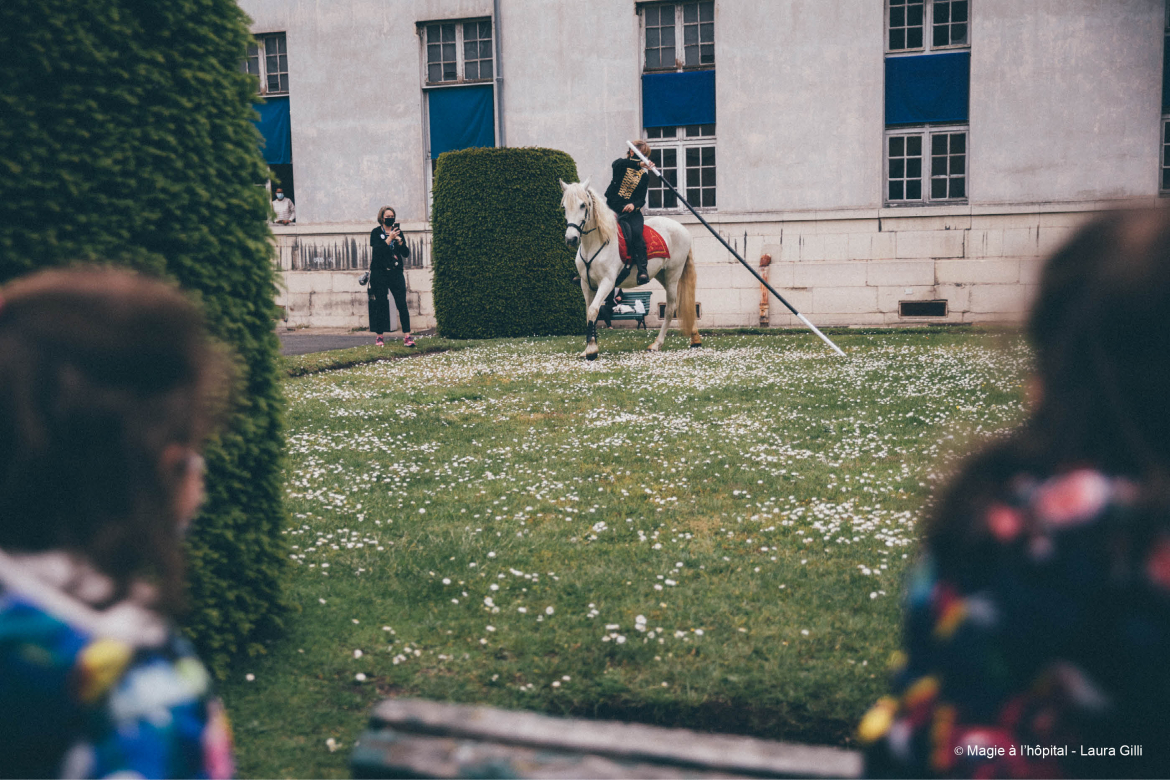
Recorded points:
(580,228)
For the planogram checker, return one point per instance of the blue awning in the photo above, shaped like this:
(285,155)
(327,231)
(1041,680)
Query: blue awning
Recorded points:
(276,130)
(686,98)
(927,88)
(461,118)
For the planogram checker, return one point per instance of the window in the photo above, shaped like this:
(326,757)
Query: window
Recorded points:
(1165,186)
(926,165)
(908,23)
(267,60)
(692,146)
(458,51)
(697,22)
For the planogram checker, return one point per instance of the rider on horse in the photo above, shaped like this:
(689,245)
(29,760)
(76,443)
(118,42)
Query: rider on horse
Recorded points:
(626,195)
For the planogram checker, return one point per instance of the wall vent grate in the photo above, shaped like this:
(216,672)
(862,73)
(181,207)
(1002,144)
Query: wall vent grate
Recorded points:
(922,308)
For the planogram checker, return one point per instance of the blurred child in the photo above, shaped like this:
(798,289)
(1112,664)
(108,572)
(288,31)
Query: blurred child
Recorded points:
(1037,628)
(106,395)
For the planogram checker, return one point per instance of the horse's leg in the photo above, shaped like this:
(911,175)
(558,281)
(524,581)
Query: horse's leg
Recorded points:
(603,289)
(671,302)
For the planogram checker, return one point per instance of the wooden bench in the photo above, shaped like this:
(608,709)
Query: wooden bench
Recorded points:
(415,738)
(628,298)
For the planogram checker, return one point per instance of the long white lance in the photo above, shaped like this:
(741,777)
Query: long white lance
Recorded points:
(779,297)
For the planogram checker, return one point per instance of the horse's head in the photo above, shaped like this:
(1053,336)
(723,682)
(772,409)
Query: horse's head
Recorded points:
(578,205)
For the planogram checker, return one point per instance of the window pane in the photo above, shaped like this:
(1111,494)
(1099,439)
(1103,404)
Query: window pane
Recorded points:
(942,36)
(654,198)
(690,35)
(942,12)
(914,189)
(485,49)
(938,189)
(448,52)
(433,35)
(897,39)
(485,69)
(449,73)
(958,143)
(708,155)
(914,38)
(668,36)
(959,11)
(897,169)
(707,54)
(435,72)
(914,15)
(692,157)
(914,145)
(670,159)
(668,58)
(709,198)
(707,33)
(670,200)
(897,190)
(938,144)
(958,165)
(938,166)
(471,70)
(959,33)
(958,188)
(708,179)
(652,59)
(897,146)
(273,82)
(434,53)
(707,11)
(284,82)
(470,30)
(470,50)
(690,12)
(691,59)
(653,38)
(485,29)
(914,168)
(695,196)
(897,17)
(448,33)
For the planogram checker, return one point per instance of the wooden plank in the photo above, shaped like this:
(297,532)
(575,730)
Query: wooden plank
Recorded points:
(388,754)
(629,742)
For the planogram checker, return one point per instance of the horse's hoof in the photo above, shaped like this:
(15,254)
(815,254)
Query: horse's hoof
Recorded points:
(652,348)
(697,346)
(591,356)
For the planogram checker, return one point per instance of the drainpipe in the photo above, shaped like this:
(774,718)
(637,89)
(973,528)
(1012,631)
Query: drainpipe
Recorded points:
(501,139)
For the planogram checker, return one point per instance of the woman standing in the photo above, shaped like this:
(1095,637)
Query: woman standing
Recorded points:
(387,256)
(1037,626)
(107,382)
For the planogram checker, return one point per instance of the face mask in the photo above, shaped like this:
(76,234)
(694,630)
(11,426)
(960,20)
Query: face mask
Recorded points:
(280,196)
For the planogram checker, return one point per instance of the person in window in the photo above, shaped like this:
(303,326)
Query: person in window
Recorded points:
(107,388)
(626,195)
(283,208)
(389,252)
(1039,614)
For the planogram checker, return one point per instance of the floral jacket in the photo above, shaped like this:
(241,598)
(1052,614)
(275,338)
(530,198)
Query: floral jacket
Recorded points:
(1052,660)
(95,693)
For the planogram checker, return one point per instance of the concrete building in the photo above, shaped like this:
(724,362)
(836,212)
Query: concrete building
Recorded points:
(899,160)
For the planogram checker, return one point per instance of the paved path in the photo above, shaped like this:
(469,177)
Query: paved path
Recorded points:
(306,340)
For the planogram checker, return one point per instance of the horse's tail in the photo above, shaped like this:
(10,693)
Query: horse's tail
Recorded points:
(686,300)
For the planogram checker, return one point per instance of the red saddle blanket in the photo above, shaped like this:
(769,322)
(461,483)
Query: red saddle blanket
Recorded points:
(655,244)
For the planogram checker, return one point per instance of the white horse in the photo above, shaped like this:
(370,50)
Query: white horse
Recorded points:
(593,232)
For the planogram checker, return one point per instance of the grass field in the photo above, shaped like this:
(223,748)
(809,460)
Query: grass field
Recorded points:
(711,538)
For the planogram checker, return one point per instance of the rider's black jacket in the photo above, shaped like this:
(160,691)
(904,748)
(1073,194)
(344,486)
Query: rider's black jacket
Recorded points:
(628,185)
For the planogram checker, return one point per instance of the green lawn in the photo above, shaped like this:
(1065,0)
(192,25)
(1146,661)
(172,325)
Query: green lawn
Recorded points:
(710,538)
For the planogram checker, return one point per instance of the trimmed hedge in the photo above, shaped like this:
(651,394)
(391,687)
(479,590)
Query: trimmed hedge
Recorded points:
(501,266)
(126,137)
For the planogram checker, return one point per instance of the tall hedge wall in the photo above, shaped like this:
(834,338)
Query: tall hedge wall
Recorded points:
(501,264)
(125,136)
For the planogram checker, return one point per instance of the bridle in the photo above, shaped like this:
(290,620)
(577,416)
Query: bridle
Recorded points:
(580,228)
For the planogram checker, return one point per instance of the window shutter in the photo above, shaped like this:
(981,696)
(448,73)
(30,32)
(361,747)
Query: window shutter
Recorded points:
(461,118)
(686,98)
(275,129)
(931,88)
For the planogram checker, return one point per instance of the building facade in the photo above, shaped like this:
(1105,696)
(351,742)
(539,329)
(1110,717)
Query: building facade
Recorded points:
(897,160)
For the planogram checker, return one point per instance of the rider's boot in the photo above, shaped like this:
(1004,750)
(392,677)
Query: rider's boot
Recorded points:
(640,261)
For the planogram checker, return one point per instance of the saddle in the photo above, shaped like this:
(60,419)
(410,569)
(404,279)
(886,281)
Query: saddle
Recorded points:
(655,244)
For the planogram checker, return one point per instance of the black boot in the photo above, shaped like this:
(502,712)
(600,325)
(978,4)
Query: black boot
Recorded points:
(643,277)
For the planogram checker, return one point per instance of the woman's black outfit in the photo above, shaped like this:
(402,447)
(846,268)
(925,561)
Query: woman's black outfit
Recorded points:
(629,185)
(386,275)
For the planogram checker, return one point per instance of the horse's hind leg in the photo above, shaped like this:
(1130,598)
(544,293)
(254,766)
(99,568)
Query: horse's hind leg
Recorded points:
(671,302)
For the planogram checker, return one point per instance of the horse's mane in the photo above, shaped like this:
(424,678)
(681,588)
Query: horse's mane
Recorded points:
(606,221)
